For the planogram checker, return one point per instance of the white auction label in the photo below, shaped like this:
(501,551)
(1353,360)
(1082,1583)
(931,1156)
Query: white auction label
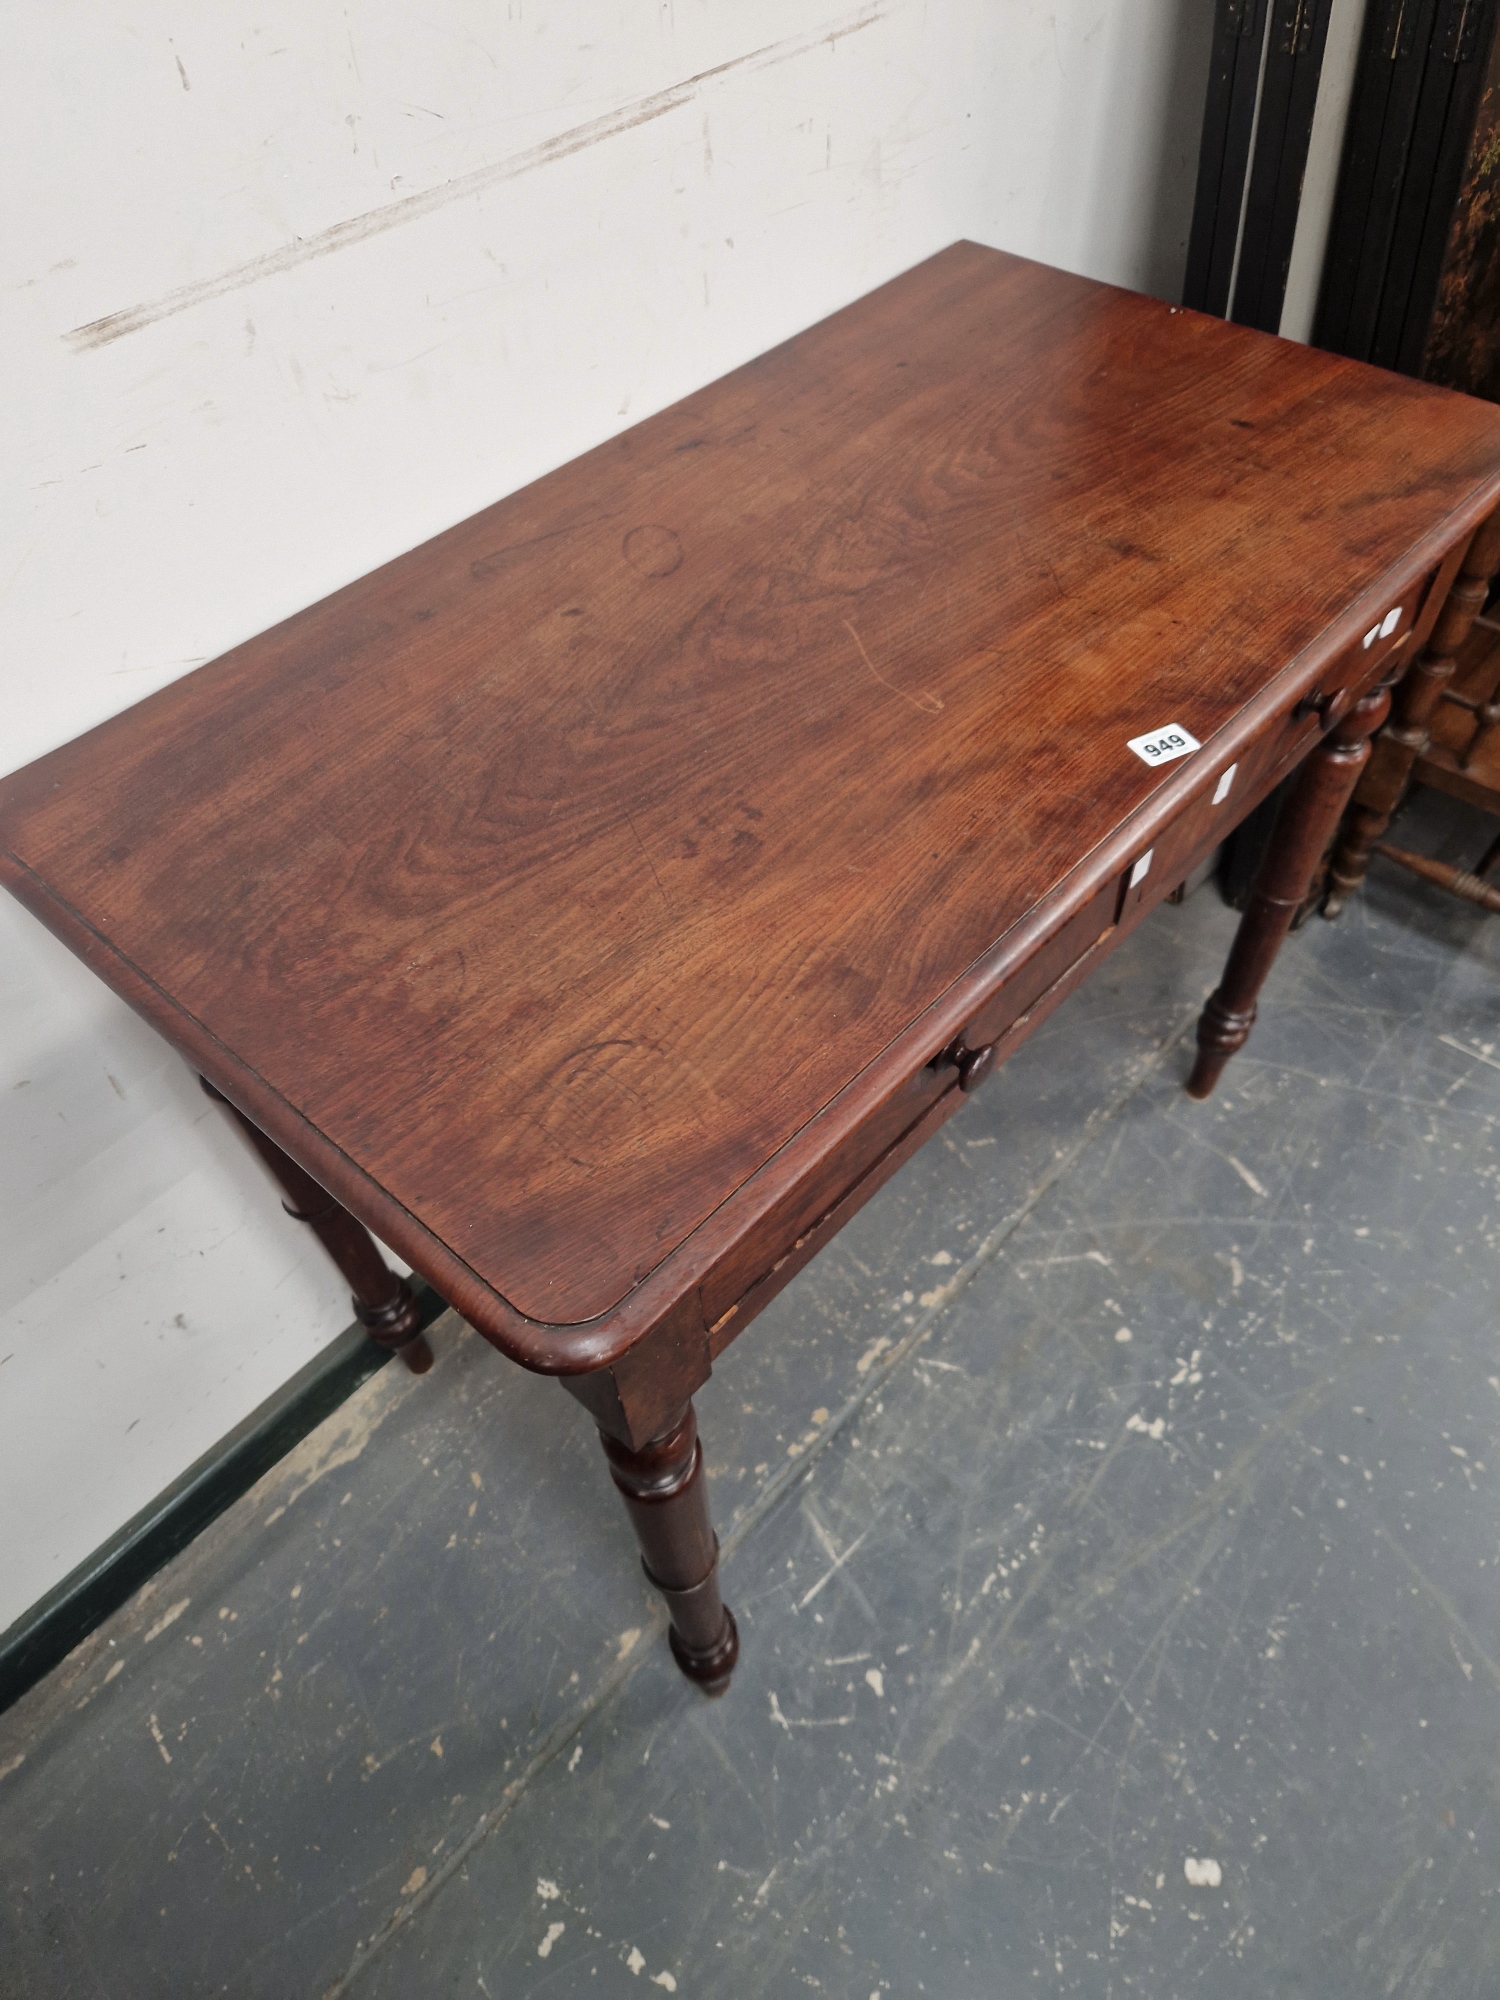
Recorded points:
(1160,746)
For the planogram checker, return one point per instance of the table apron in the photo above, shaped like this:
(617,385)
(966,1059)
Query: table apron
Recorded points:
(754,1270)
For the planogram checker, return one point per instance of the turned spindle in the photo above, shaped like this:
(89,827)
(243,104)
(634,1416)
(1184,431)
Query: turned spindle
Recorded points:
(1407,736)
(384,1303)
(1309,817)
(666,1497)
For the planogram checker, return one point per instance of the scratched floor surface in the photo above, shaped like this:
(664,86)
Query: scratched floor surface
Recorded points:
(1109,1518)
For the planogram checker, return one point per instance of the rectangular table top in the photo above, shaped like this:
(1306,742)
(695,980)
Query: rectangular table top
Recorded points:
(559,891)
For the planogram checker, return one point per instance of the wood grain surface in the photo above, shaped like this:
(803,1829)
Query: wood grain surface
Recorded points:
(563,892)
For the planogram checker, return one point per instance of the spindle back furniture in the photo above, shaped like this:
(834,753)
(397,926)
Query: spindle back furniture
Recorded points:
(601,901)
(1444,731)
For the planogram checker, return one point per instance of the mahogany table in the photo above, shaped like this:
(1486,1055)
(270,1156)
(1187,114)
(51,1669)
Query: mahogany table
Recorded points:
(601,901)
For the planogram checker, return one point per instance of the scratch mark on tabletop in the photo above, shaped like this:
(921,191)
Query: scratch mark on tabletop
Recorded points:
(646,856)
(413,207)
(929,704)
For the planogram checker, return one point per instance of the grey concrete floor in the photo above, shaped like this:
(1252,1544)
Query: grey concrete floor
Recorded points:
(1110,1515)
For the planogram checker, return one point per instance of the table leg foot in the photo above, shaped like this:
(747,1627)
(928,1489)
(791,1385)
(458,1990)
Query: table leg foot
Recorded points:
(1222,1032)
(663,1488)
(384,1303)
(1306,825)
(397,1324)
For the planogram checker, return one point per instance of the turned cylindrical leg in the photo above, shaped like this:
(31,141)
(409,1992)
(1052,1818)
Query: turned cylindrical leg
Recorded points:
(1406,736)
(1307,820)
(1457,881)
(384,1302)
(665,1496)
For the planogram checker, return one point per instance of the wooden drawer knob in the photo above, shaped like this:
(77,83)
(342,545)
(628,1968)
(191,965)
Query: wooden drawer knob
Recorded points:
(974,1065)
(1328,708)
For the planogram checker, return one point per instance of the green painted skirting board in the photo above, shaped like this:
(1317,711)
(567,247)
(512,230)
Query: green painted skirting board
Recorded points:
(53,1626)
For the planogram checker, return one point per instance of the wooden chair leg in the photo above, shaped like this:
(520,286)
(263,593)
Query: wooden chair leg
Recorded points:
(384,1302)
(663,1488)
(1307,821)
(1406,737)
(1455,880)
(1486,722)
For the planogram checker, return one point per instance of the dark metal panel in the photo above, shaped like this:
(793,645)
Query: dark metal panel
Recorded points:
(1382,112)
(1422,69)
(1434,166)
(1224,153)
(1289,96)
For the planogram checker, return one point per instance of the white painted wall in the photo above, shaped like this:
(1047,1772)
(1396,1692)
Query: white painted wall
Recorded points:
(360,271)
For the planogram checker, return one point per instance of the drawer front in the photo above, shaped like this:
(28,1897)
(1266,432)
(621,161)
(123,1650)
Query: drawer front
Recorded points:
(1215,813)
(1340,684)
(797,1216)
(1033,980)
(1389,633)
(1174,853)
(801,1249)
(801,1209)
(1016,1030)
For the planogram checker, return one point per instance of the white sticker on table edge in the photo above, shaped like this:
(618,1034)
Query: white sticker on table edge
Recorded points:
(1160,746)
